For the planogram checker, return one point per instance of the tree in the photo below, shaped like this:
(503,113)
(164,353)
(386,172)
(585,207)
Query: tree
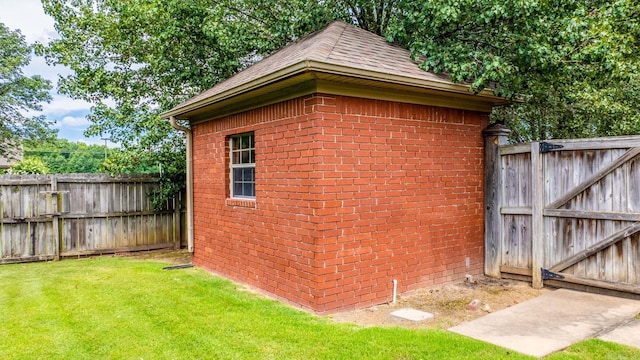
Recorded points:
(132,59)
(19,93)
(571,66)
(62,156)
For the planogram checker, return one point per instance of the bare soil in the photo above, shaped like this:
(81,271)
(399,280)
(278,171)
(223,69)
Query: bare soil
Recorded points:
(174,257)
(450,304)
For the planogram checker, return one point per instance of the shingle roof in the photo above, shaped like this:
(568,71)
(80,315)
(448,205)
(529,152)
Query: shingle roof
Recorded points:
(339,46)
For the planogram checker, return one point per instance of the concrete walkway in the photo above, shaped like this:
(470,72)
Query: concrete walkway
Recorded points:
(556,320)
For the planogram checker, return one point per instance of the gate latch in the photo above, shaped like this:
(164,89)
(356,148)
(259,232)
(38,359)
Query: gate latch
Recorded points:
(548,275)
(546,147)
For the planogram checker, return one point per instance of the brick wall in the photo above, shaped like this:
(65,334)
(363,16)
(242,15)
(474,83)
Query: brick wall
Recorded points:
(271,244)
(350,194)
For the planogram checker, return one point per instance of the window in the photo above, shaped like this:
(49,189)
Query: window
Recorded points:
(243,166)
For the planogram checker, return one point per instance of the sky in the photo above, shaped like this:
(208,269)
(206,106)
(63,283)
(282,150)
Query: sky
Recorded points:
(69,115)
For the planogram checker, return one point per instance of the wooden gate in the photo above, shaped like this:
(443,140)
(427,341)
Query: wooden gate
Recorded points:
(566,213)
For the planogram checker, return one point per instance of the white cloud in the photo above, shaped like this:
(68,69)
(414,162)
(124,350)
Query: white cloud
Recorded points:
(29,17)
(74,122)
(61,105)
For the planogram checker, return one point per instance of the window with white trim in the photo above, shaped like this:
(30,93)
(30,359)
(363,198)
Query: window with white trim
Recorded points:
(242,165)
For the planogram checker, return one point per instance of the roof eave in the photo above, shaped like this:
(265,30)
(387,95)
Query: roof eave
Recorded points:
(485,95)
(276,76)
(437,85)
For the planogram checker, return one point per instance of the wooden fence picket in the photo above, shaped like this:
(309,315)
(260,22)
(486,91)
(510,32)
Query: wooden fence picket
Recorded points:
(45,217)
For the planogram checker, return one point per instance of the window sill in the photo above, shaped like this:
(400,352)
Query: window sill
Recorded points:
(245,203)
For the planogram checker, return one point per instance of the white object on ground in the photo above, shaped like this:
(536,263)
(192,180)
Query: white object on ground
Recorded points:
(412,314)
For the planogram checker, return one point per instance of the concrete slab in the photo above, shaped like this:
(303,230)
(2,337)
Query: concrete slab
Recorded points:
(628,334)
(551,322)
(412,314)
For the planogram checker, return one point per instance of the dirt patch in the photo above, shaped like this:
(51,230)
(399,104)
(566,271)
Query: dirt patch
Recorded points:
(450,304)
(175,257)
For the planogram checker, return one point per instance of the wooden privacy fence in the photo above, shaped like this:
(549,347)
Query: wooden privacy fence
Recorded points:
(44,217)
(565,213)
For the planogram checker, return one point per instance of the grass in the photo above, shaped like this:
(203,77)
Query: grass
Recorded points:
(121,308)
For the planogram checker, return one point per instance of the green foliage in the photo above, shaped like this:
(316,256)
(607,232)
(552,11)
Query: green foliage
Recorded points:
(374,16)
(65,157)
(28,165)
(19,93)
(143,55)
(258,27)
(571,66)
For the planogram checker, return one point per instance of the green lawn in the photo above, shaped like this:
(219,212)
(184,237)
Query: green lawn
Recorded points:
(121,308)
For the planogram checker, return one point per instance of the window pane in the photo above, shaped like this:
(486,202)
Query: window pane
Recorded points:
(245,157)
(248,174)
(235,158)
(237,189)
(237,175)
(235,144)
(245,143)
(253,156)
(248,189)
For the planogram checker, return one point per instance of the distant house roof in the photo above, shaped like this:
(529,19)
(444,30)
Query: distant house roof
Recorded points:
(338,53)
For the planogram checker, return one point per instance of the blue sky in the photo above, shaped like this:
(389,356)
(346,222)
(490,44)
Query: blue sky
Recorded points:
(35,25)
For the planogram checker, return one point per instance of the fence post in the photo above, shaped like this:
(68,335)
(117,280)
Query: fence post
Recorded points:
(177,232)
(494,136)
(537,207)
(55,205)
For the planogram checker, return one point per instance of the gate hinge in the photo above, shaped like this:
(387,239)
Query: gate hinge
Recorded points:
(546,147)
(548,275)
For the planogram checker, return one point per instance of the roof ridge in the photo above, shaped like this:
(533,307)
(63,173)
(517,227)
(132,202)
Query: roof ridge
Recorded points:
(305,38)
(344,27)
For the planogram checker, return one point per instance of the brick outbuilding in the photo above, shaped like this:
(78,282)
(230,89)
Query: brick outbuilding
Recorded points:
(333,167)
